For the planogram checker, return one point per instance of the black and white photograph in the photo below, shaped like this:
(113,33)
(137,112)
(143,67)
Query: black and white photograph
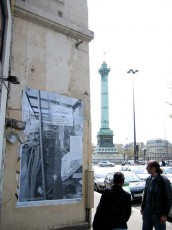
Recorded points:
(51,155)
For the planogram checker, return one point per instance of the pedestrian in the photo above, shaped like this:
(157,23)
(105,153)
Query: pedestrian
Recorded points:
(157,198)
(163,163)
(114,208)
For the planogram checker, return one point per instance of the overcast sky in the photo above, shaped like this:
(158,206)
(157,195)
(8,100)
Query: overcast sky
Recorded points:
(133,34)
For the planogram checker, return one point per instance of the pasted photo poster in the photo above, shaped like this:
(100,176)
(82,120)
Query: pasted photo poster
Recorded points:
(51,156)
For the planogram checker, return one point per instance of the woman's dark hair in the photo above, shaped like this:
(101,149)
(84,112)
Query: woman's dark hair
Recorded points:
(118,178)
(156,165)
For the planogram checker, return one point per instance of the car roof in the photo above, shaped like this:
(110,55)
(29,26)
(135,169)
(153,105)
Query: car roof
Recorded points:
(124,172)
(166,167)
(135,167)
(127,173)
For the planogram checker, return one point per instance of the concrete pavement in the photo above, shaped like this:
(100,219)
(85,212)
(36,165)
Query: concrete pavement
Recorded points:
(135,221)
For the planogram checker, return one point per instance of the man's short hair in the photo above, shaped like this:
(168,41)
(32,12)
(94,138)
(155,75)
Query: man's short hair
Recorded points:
(118,178)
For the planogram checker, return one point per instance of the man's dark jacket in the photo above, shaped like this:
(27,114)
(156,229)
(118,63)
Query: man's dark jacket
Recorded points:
(161,199)
(114,209)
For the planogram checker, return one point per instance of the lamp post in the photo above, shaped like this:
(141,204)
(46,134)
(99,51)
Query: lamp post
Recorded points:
(134,124)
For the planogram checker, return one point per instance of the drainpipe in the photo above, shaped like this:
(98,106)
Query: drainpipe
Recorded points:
(89,198)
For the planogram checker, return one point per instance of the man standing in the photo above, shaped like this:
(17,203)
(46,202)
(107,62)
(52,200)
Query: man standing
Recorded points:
(163,163)
(157,198)
(114,209)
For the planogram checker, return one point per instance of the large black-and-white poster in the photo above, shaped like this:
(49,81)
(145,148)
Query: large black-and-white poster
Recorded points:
(51,157)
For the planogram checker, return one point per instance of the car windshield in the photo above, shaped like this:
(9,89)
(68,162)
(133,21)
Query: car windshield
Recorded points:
(168,170)
(101,175)
(131,178)
(139,170)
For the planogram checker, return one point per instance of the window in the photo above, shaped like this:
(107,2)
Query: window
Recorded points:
(60,14)
(159,141)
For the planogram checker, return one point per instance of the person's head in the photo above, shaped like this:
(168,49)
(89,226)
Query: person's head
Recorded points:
(118,178)
(153,168)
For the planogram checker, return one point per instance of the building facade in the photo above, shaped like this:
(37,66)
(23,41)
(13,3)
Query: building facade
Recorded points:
(157,149)
(47,139)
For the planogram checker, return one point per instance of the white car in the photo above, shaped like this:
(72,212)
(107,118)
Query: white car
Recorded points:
(106,164)
(168,172)
(170,162)
(99,183)
(137,169)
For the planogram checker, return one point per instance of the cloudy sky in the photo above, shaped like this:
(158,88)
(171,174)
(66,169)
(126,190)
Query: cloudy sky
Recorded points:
(133,34)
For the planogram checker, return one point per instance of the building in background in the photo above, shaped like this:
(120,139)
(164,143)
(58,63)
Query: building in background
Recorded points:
(157,149)
(48,51)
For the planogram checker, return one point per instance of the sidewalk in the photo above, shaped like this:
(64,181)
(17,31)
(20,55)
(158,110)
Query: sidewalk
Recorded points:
(135,221)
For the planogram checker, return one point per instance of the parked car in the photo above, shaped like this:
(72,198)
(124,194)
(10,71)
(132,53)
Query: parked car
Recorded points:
(106,164)
(170,214)
(138,169)
(169,162)
(126,187)
(99,183)
(131,162)
(168,172)
(99,176)
(136,184)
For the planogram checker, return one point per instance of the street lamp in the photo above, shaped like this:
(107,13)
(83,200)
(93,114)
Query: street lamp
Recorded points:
(135,146)
(11,79)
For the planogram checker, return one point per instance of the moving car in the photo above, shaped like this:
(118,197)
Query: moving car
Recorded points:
(136,184)
(137,169)
(106,164)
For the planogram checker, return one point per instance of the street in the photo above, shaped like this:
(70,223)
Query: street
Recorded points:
(135,221)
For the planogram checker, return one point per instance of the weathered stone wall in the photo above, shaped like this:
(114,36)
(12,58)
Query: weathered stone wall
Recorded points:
(4,67)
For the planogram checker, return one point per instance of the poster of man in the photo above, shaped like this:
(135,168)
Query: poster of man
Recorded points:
(51,157)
